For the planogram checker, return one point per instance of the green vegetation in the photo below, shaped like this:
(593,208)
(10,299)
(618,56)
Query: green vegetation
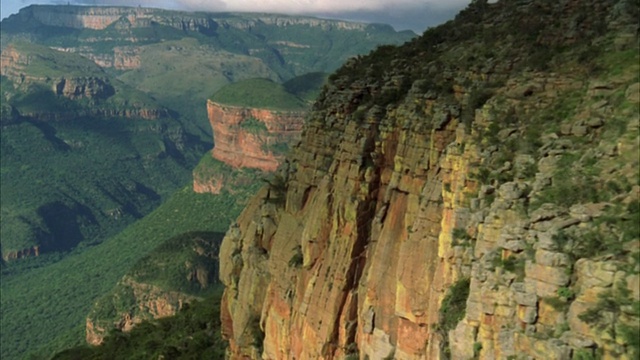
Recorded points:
(307,87)
(82,180)
(297,259)
(477,347)
(607,316)
(187,263)
(258,93)
(514,264)
(253,125)
(279,148)
(460,236)
(55,317)
(48,63)
(165,266)
(242,181)
(608,235)
(193,333)
(452,310)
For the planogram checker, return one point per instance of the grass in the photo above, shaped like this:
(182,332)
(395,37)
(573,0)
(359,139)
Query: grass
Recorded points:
(258,93)
(186,263)
(253,126)
(48,63)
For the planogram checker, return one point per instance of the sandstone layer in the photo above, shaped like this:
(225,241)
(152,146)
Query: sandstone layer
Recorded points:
(151,301)
(418,174)
(181,270)
(249,138)
(94,89)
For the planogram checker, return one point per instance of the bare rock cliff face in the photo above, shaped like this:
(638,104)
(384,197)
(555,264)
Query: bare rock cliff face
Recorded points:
(246,137)
(147,292)
(19,254)
(441,222)
(99,18)
(152,302)
(14,64)
(83,88)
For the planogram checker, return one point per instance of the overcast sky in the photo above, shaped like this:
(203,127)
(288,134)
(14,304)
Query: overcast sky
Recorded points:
(416,15)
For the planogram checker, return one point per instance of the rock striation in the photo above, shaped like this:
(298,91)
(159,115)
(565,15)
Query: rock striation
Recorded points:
(245,138)
(252,138)
(35,69)
(431,209)
(99,18)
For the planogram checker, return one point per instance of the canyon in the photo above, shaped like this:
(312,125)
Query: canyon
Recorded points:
(104,118)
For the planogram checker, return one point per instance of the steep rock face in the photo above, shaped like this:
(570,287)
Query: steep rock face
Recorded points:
(152,302)
(122,58)
(181,270)
(19,254)
(83,88)
(453,180)
(146,114)
(211,184)
(99,18)
(251,138)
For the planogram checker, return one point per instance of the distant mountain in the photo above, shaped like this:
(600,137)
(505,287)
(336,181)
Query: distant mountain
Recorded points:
(103,117)
(98,72)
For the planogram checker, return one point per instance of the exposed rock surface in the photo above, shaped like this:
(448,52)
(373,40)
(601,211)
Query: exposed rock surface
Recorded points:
(99,18)
(178,272)
(94,88)
(152,302)
(246,137)
(409,179)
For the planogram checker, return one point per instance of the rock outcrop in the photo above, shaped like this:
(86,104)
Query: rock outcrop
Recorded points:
(435,208)
(252,138)
(180,271)
(99,18)
(19,254)
(32,69)
(151,302)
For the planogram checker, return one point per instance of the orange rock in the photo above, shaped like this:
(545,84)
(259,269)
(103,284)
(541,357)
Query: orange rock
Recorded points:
(240,147)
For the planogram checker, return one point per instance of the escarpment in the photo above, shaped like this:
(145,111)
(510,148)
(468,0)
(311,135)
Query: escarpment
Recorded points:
(471,194)
(99,18)
(65,85)
(246,138)
(183,269)
(254,138)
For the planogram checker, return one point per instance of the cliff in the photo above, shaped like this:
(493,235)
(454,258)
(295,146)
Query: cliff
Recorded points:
(181,270)
(471,194)
(245,138)
(66,85)
(248,137)
(99,18)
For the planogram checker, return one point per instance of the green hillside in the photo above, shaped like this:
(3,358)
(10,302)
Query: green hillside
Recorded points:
(194,333)
(86,178)
(56,312)
(76,170)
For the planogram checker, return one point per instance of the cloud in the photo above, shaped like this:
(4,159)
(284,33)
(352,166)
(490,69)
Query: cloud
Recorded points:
(402,14)
(320,6)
